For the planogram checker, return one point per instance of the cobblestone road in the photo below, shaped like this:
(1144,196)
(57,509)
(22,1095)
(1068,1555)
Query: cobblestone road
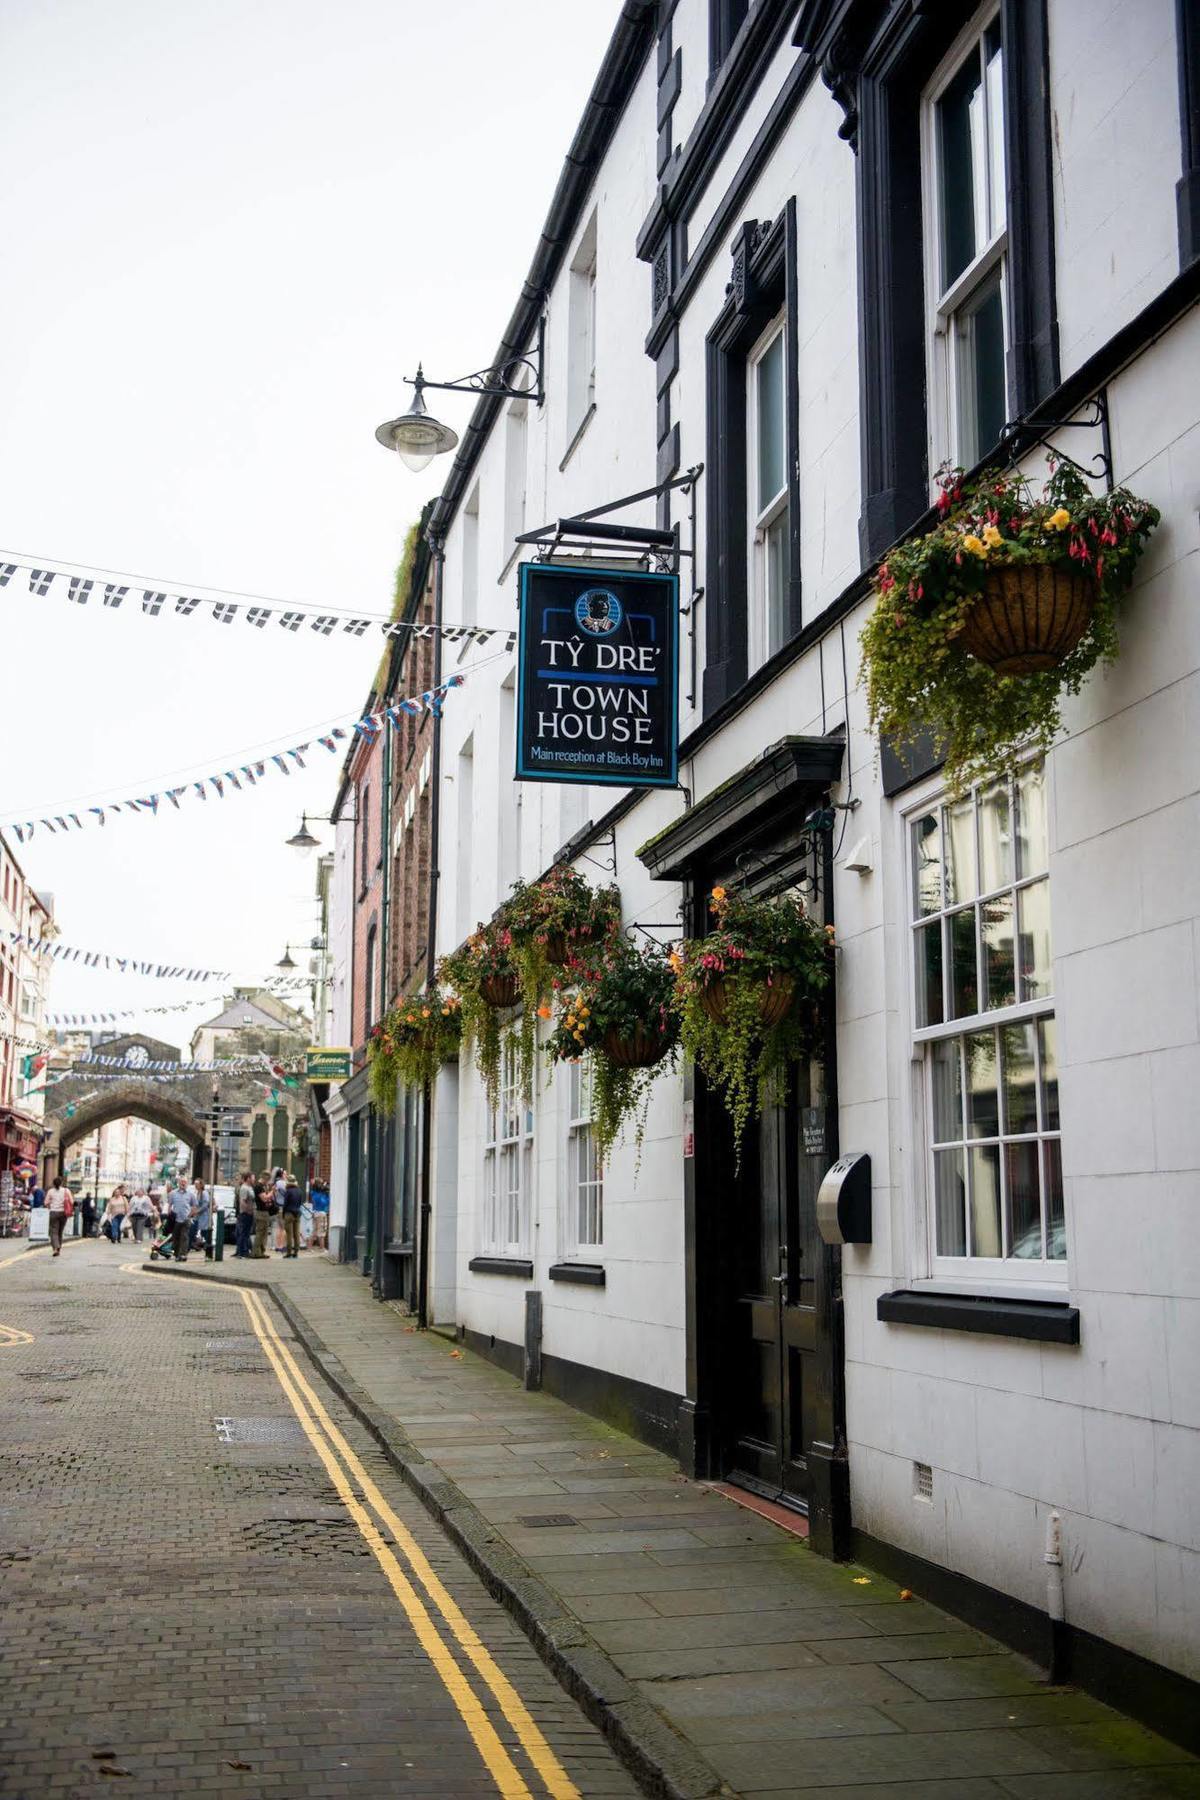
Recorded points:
(212,1583)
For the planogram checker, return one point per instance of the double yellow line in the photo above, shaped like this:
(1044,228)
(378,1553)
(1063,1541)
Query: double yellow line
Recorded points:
(347,1473)
(10,1335)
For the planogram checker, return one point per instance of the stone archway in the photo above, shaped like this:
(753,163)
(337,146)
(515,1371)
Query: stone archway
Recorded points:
(118,1100)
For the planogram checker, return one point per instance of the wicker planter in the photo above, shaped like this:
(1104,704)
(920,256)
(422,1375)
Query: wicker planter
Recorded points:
(774,1001)
(1029,617)
(500,991)
(641,1051)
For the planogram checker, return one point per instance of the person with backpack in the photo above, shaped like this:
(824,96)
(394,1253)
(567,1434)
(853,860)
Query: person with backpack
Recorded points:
(293,1202)
(61,1203)
(264,1208)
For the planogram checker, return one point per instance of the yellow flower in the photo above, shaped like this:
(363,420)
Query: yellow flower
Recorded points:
(718,894)
(585,1012)
(1058,521)
(991,537)
(424,1012)
(974,545)
(570,1021)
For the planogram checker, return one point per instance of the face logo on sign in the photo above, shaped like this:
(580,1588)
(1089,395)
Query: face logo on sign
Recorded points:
(598,612)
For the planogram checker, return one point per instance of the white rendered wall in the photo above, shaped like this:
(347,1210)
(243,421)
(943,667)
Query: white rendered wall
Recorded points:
(1109,1431)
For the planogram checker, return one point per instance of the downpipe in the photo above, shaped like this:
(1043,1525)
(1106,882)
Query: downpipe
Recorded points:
(1056,1609)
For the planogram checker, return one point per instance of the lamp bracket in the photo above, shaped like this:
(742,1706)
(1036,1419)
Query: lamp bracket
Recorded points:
(496,380)
(1022,435)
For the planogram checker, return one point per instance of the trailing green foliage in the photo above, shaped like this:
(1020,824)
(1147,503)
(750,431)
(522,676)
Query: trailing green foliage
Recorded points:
(551,922)
(485,960)
(410,1045)
(920,678)
(746,994)
(617,1003)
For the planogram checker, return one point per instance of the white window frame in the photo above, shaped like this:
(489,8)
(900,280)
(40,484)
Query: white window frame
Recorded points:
(582,1224)
(1037,1277)
(469,549)
(581,333)
(948,310)
(516,473)
(508,1162)
(761,519)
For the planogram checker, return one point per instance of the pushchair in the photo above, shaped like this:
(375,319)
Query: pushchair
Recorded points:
(160,1246)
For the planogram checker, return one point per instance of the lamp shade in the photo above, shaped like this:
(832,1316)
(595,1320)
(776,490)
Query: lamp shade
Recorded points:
(285,961)
(415,436)
(303,840)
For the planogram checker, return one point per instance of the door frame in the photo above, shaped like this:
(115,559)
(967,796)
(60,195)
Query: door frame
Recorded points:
(759,813)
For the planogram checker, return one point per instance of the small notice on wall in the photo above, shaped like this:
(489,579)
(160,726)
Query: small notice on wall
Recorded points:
(598,676)
(812,1121)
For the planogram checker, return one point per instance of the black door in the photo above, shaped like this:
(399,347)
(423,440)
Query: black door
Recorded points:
(780,1314)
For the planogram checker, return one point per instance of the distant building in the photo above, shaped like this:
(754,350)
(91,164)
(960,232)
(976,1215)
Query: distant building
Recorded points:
(23,981)
(255,1022)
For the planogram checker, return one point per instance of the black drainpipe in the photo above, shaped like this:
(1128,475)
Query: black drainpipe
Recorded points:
(435,811)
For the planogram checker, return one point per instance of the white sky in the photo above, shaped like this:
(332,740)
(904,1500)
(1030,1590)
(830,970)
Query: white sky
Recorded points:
(228,230)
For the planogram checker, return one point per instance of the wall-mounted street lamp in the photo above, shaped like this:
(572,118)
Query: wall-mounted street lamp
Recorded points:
(303,841)
(417,437)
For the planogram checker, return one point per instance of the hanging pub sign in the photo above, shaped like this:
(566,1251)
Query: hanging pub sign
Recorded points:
(598,676)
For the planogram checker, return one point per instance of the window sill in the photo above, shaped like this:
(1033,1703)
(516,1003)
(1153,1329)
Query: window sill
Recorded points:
(398,1247)
(585,1274)
(577,439)
(501,1265)
(1044,1321)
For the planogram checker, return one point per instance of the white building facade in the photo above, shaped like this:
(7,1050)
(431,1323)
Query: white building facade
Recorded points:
(751,266)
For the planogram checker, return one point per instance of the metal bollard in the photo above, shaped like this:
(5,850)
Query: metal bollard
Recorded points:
(218,1234)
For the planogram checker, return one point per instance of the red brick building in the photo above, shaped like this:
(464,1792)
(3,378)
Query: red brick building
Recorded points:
(387,787)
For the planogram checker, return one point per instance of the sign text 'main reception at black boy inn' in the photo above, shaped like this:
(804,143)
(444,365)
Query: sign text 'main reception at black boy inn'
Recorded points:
(598,676)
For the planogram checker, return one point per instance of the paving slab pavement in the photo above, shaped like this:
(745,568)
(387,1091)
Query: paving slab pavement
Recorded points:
(718,1653)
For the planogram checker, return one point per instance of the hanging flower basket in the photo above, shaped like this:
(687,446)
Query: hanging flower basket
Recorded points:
(409,1046)
(636,1049)
(484,977)
(1029,617)
(619,1012)
(500,991)
(986,622)
(775,998)
(747,994)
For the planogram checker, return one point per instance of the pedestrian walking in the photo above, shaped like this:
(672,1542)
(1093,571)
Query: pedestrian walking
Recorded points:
(88,1209)
(293,1201)
(264,1207)
(180,1207)
(113,1222)
(202,1200)
(61,1204)
(245,1215)
(141,1213)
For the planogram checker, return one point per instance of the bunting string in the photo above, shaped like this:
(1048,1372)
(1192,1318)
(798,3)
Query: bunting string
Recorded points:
(81,585)
(62,1020)
(244,775)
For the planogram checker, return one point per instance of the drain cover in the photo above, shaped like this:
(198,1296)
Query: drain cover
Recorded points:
(259,1431)
(543,1521)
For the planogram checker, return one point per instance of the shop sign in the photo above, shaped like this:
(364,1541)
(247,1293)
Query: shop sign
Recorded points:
(598,676)
(324,1064)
